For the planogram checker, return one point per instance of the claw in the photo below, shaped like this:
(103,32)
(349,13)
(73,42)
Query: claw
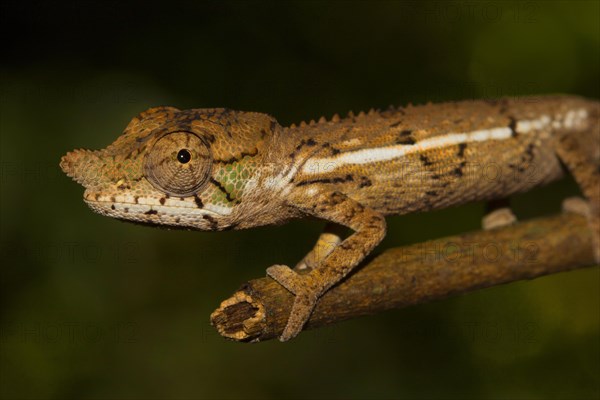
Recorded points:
(306,298)
(498,218)
(577,205)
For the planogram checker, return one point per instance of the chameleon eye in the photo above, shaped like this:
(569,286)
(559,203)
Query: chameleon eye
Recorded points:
(179,164)
(184,156)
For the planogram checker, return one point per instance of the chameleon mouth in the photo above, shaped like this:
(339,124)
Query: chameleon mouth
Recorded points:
(165,216)
(138,204)
(184,213)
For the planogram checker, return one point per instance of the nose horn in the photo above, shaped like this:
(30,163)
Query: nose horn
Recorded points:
(80,165)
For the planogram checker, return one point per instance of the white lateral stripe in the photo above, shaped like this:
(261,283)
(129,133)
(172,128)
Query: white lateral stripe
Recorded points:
(367,156)
(532,125)
(572,119)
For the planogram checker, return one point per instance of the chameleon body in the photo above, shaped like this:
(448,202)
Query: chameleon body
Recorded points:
(218,169)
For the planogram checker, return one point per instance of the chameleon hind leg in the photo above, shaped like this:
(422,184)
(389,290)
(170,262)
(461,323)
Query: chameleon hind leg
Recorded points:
(369,229)
(585,168)
(328,240)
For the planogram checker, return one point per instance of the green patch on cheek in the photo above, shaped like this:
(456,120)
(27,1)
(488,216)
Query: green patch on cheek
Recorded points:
(233,178)
(218,198)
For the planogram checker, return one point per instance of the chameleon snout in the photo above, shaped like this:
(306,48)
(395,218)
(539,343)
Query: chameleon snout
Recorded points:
(83,166)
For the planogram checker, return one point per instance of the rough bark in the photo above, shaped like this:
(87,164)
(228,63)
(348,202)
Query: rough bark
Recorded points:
(418,273)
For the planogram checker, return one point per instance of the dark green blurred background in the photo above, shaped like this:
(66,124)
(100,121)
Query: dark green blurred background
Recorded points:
(96,308)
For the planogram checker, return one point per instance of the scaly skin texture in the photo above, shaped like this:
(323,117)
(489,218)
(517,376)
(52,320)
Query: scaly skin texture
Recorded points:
(217,169)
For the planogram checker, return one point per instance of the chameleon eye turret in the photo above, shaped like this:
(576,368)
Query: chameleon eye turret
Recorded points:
(179,164)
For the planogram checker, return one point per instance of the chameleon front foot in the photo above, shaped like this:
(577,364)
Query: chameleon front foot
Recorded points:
(498,218)
(307,294)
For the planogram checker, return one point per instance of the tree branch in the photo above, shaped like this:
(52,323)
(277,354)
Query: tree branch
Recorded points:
(416,274)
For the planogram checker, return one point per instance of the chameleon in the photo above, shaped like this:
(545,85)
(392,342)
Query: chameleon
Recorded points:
(216,169)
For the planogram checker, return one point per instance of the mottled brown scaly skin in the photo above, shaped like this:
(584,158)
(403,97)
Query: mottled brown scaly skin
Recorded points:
(217,169)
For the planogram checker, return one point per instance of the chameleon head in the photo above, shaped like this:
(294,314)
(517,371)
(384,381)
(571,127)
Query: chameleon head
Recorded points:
(176,168)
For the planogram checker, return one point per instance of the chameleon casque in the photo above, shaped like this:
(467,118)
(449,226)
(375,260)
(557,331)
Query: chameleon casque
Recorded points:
(216,169)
